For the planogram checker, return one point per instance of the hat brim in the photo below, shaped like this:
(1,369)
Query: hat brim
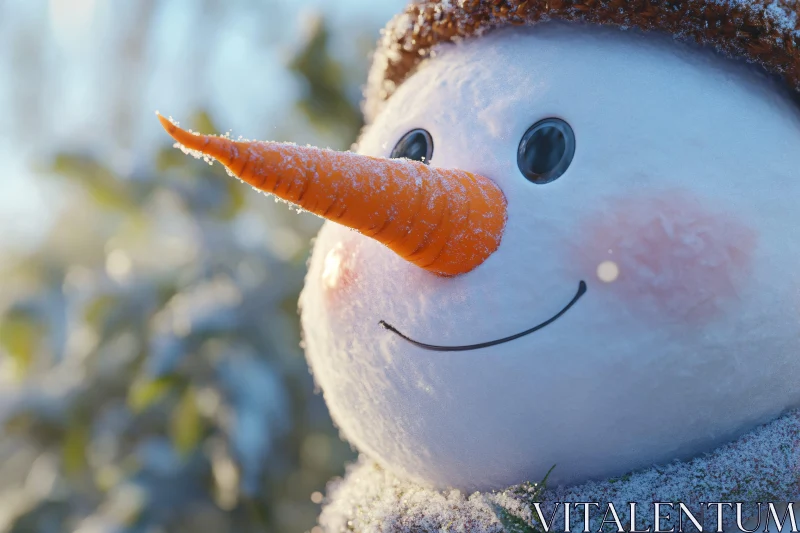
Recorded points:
(766,32)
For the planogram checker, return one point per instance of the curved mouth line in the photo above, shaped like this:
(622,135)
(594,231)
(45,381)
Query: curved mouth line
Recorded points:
(435,348)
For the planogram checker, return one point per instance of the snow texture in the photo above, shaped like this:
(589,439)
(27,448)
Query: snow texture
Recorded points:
(765,32)
(762,466)
(684,175)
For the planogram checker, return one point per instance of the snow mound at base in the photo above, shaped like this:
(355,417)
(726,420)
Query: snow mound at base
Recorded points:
(761,466)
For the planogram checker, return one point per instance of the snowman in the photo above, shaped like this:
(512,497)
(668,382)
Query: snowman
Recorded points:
(561,247)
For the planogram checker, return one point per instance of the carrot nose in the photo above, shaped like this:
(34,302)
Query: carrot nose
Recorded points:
(445,221)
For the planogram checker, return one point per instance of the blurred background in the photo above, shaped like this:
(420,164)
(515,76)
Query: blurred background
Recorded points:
(151,377)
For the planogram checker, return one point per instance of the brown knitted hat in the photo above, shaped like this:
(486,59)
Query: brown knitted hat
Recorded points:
(766,32)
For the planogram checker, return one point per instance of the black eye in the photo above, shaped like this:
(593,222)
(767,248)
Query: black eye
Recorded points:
(546,150)
(416,145)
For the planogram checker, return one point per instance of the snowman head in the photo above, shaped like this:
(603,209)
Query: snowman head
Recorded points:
(661,177)
(641,302)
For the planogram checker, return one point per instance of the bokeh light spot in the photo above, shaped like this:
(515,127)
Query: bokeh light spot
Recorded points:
(118,265)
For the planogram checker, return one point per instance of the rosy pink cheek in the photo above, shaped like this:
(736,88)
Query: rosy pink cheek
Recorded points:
(339,270)
(667,255)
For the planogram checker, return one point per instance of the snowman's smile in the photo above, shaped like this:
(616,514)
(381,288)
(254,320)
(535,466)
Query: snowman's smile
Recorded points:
(436,348)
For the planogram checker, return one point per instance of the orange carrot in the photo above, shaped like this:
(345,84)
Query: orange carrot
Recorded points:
(445,221)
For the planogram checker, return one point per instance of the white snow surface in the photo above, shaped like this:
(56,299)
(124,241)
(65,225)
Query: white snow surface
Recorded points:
(763,466)
(685,176)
